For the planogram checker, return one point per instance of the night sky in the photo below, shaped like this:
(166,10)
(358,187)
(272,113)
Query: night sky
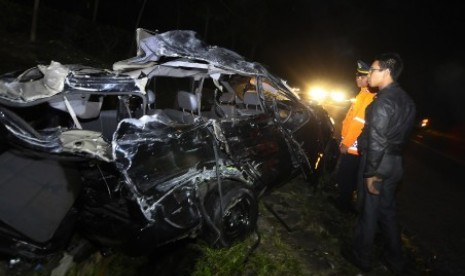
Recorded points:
(303,40)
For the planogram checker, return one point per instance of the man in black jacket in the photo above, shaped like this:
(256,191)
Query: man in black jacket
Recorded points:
(388,123)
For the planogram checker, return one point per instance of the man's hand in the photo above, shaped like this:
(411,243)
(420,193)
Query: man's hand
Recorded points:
(343,148)
(371,184)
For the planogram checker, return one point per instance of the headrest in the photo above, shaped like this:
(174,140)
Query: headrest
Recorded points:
(251,97)
(227,98)
(187,101)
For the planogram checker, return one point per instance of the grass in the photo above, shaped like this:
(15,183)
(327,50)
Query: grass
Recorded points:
(273,256)
(265,253)
(116,265)
(308,246)
(269,251)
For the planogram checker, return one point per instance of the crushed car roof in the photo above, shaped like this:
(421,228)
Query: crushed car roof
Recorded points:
(173,53)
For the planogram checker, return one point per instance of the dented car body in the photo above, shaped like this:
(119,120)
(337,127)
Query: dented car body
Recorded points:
(179,141)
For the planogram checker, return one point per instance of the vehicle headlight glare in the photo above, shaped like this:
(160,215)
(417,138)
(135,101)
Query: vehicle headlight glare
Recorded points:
(317,94)
(338,96)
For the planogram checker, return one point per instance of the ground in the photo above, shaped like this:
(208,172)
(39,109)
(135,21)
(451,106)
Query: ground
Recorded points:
(298,226)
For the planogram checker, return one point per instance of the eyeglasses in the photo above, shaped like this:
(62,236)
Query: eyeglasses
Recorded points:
(375,69)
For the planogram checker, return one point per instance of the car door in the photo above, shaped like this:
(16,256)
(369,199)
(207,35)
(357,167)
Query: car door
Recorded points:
(301,126)
(257,145)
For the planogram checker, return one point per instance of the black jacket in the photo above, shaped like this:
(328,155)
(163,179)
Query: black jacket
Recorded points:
(388,123)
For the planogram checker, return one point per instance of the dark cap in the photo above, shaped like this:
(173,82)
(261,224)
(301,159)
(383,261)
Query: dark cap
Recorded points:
(362,68)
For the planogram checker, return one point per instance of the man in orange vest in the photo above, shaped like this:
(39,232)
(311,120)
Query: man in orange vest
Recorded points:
(351,128)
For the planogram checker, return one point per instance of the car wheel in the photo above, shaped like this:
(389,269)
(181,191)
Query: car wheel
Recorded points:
(231,216)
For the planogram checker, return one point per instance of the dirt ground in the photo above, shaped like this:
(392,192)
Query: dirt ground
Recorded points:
(298,213)
(306,219)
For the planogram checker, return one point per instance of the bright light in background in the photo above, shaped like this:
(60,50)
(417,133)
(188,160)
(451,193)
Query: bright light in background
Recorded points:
(334,97)
(338,96)
(318,94)
(424,122)
(324,95)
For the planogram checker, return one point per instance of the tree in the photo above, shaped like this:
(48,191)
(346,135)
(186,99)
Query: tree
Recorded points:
(141,11)
(94,14)
(34,20)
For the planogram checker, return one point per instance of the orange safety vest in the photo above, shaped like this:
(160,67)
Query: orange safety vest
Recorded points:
(354,121)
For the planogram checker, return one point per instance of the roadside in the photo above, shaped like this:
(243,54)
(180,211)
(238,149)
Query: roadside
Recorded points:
(299,233)
(449,143)
(316,230)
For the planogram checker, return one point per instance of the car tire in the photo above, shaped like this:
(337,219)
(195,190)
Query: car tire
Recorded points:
(231,216)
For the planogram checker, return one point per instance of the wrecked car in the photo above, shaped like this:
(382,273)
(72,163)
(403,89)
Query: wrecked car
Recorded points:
(179,141)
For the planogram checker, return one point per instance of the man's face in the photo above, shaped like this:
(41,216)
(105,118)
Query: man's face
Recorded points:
(362,80)
(376,74)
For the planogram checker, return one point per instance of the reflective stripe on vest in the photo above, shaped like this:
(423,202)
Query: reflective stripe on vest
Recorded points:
(353,149)
(358,119)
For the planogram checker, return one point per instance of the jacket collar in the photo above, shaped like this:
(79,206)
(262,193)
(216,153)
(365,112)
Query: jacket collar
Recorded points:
(391,86)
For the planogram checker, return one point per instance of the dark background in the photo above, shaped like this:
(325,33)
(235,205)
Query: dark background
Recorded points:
(300,40)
